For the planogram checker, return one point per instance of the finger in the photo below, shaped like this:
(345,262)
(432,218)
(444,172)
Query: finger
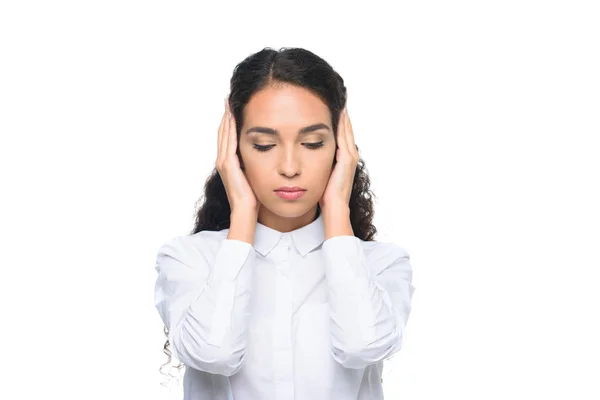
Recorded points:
(350,135)
(220,137)
(232,137)
(341,136)
(225,144)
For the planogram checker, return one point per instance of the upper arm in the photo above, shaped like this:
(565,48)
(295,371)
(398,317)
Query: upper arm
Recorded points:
(182,272)
(393,272)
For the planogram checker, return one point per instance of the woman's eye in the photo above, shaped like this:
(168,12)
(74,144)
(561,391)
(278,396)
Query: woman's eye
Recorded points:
(314,145)
(311,146)
(262,148)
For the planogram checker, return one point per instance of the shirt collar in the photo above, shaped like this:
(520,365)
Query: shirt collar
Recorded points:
(306,238)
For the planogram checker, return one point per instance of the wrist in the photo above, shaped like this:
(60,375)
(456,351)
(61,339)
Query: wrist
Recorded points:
(336,212)
(337,222)
(242,226)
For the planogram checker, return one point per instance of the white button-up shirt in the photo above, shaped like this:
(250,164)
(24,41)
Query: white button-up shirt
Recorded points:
(290,317)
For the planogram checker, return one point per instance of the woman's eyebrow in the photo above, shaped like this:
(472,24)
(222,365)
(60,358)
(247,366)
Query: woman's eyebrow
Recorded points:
(303,131)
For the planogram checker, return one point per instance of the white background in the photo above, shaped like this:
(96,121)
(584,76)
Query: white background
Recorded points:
(478,122)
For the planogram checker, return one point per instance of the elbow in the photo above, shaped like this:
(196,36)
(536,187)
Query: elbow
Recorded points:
(219,361)
(360,355)
(225,359)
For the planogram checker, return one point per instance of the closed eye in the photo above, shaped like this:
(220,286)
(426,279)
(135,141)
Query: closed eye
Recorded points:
(312,146)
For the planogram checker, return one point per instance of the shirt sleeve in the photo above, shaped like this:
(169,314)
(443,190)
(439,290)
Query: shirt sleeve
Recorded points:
(369,295)
(202,295)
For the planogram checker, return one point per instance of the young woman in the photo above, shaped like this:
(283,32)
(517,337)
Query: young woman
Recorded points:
(281,292)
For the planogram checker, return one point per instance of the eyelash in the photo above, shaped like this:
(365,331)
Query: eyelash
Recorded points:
(311,146)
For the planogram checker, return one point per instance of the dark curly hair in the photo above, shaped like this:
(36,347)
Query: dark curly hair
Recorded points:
(269,67)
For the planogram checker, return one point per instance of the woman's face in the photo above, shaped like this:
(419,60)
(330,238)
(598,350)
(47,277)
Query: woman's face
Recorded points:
(290,158)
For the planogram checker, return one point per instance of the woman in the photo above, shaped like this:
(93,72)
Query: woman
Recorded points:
(281,292)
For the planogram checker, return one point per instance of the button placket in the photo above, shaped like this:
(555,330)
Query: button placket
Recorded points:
(282,327)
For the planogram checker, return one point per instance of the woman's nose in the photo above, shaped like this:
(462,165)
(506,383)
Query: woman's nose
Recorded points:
(289,164)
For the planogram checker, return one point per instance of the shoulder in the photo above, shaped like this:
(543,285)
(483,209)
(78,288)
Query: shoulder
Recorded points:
(379,249)
(192,247)
(385,255)
(378,254)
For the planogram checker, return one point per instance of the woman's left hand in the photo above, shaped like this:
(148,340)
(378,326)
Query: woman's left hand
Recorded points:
(339,187)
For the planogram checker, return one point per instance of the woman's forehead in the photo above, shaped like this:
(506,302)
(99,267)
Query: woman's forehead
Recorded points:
(290,106)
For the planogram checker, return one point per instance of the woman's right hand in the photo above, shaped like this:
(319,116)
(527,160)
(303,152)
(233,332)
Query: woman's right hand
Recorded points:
(239,193)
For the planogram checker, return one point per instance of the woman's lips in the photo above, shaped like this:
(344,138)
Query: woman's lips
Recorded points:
(290,195)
